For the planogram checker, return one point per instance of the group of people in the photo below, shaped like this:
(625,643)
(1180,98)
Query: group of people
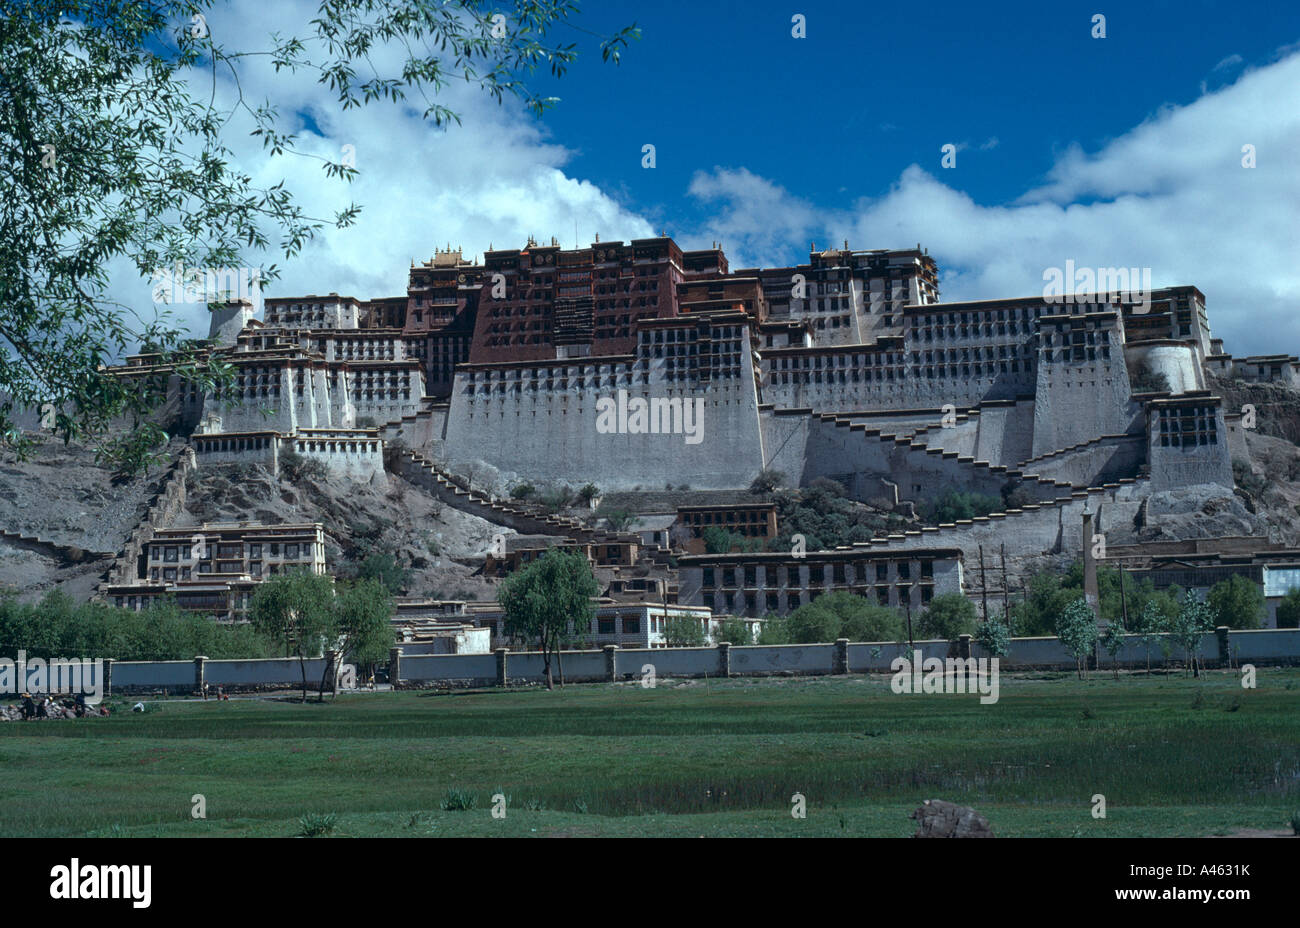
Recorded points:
(39,707)
(221,695)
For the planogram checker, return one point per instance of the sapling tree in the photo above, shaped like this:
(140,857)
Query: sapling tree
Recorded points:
(1112,642)
(1192,622)
(1077,630)
(994,636)
(363,622)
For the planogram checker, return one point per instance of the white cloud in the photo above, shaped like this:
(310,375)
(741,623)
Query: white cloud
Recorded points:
(493,180)
(1171,194)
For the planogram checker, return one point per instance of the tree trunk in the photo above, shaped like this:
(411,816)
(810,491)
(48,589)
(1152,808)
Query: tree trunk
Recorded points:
(546,661)
(324,675)
(302,667)
(559,660)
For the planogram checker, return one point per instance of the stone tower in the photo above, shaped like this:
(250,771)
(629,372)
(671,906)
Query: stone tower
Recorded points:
(228,320)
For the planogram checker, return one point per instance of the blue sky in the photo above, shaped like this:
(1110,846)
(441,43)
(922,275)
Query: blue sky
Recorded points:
(876,87)
(1122,151)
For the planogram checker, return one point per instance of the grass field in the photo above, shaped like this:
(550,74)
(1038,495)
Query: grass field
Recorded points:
(1172,756)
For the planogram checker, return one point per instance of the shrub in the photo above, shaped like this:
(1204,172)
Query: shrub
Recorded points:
(618,519)
(313,825)
(733,630)
(948,616)
(1288,610)
(1143,380)
(767,481)
(522,491)
(683,632)
(994,636)
(954,505)
(1238,602)
(843,615)
(56,626)
(459,800)
(299,468)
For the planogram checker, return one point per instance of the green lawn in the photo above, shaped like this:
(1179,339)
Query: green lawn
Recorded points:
(1172,756)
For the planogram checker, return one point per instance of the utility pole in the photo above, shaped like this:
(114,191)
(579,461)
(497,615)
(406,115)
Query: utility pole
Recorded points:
(984,585)
(1006,588)
(911,642)
(1123,599)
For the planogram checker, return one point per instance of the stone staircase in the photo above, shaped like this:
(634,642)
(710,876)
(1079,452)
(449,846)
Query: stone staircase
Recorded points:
(166,504)
(981,473)
(1081,446)
(524,518)
(1017,525)
(41,546)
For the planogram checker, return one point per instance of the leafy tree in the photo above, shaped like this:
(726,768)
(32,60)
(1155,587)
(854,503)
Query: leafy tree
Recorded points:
(522,491)
(841,614)
(363,622)
(57,626)
(382,567)
(1193,621)
(734,630)
(1112,641)
(1238,602)
(1288,610)
(1077,630)
(556,498)
(1153,627)
(825,517)
(618,519)
(949,616)
(545,598)
(296,607)
(774,630)
(113,137)
(994,635)
(717,540)
(682,631)
(587,493)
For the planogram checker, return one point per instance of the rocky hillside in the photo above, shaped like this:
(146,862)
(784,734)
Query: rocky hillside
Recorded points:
(442,547)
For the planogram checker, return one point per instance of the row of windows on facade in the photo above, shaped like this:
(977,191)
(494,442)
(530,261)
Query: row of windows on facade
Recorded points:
(544,309)
(817,573)
(748,603)
(612,625)
(662,336)
(255,569)
(684,372)
(984,353)
(1074,354)
(336,447)
(892,374)
(219,602)
(170,554)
